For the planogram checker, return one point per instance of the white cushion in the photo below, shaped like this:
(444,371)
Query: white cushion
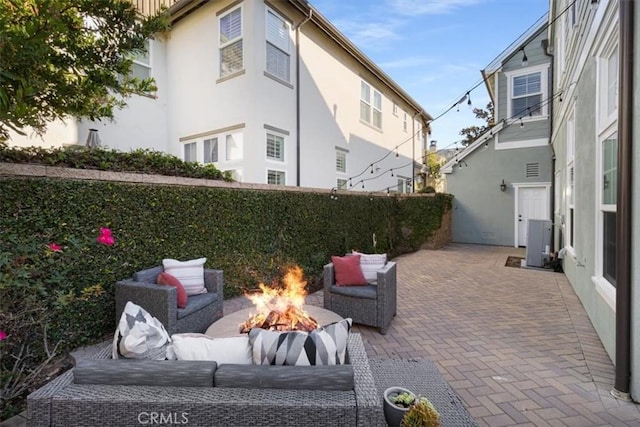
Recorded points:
(139,335)
(221,350)
(370,264)
(189,273)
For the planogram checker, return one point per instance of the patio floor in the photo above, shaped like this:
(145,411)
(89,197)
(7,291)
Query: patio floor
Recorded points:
(514,343)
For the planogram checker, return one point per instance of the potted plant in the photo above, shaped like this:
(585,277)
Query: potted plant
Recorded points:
(397,401)
(421,413)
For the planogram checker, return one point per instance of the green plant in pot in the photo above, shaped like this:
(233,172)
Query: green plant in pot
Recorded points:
(421,413)
(397,401)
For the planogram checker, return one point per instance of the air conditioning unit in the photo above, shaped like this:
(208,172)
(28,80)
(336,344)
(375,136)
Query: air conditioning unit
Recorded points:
(538,242)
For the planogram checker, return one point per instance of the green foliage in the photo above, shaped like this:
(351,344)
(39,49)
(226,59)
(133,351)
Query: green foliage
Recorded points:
(403,400)
(139,161)
(422,413)
(472,133)
(56,301)
(69,58)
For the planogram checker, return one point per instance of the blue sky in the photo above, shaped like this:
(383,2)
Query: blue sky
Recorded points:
(435,49)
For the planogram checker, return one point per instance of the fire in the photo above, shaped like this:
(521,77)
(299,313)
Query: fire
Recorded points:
(281,309)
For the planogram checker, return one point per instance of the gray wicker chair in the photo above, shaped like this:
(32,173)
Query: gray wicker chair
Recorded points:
(161,301)
(371,305)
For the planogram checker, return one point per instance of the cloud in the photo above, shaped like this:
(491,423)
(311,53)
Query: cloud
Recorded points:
(368,33)
(429,7)
(408,62)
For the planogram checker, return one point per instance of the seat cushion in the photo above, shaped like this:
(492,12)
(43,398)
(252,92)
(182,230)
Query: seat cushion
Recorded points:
(197,302)
(368,291)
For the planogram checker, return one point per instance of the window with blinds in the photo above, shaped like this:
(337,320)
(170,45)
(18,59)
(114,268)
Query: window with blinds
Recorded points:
(231,42)
(278,46)
(275,147)
(527,95)
(341,161)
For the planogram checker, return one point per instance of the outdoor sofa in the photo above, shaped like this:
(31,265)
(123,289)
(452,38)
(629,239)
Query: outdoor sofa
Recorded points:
(103,391)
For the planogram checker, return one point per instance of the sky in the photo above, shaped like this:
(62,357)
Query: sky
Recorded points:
(435,49)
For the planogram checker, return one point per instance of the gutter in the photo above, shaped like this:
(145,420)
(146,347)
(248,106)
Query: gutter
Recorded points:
(624,204)
(298,127)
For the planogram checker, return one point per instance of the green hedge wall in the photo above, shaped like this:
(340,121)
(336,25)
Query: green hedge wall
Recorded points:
(67,296)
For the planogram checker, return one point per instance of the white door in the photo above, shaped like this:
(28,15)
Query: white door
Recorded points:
(532,204)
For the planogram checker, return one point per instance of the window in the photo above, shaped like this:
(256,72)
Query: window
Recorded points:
(278,55)
(395,109)
(608,206)
(231,42)
(608,81)
(211,150)
(190,153)
(370,102)
(341,160)
(570,181)
(275,147)
(275,177)
(401,182)
(404,122)
(527,95)
(142,64)
(234,146)
(341,184)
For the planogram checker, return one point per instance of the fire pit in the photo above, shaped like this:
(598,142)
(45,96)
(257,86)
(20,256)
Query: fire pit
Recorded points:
(281,308)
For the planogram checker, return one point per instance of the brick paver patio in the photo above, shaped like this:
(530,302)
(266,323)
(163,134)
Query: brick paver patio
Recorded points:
(515,344)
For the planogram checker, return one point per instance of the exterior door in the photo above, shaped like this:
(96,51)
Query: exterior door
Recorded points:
(532,204)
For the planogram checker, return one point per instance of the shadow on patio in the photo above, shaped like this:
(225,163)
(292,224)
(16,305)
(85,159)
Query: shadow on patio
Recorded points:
(515,344)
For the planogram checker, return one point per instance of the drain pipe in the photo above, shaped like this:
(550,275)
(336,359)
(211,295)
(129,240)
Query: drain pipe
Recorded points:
(545,48)
(623,209)
(297,28)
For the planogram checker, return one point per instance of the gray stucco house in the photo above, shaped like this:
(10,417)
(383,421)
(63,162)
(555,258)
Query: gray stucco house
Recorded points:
(504,178)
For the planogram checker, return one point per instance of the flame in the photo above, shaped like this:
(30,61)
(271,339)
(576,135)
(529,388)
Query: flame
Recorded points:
(281,308)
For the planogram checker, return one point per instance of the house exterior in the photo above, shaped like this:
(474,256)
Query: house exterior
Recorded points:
(594,128)
(504,177)
(271,91)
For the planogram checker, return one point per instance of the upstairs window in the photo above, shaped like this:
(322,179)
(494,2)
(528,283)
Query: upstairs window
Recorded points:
(527,94)
(278,50)
(231,43)
(341,161)
(370,105)
(275,147)
(142,63)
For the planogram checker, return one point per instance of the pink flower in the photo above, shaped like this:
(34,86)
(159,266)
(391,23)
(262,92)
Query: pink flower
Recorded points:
(3,335)
(54,247)
(105,237)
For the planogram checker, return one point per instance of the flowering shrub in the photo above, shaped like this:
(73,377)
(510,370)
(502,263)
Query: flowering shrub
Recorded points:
(45,301)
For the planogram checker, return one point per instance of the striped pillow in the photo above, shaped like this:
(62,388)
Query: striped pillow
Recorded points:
(370,264)
(323,346)
(189,273)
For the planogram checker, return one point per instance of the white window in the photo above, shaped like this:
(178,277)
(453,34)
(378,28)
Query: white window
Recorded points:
(210,150)
(341,184)
(190,152)
(395,109)
(608,199)
(275,147)
(275,177)
(571,175)
(278,53)
(234,146)
(370,99)
(528,92)
(142,63)
(341,160)
(401,182)
(231,42)
(404,122)
(608,87)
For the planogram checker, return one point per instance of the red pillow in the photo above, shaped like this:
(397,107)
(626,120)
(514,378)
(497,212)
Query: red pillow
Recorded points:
(169,280)
(348,271)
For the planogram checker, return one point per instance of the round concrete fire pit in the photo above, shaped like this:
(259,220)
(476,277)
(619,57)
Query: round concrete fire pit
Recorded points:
(229,325)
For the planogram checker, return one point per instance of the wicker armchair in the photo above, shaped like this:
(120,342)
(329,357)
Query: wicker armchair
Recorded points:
(161,301)
(371,305)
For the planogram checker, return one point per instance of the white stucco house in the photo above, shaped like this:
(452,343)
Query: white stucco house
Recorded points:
(271,91)
(596,45)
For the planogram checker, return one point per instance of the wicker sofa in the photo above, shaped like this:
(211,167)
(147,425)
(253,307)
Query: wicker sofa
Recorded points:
(210,395)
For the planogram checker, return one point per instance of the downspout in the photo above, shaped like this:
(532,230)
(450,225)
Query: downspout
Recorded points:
(304,21)
(545,49)
(413,152)
(623,208)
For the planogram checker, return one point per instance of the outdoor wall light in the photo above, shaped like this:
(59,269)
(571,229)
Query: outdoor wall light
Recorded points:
(503,186)
(525,60)
(594,4)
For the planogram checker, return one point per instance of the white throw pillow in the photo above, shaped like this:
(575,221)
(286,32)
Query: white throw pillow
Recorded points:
(370,264)
(139,335)
(222,350)
(189,273)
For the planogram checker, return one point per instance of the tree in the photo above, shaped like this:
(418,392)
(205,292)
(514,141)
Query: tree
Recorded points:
(61,58)
(471,133)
